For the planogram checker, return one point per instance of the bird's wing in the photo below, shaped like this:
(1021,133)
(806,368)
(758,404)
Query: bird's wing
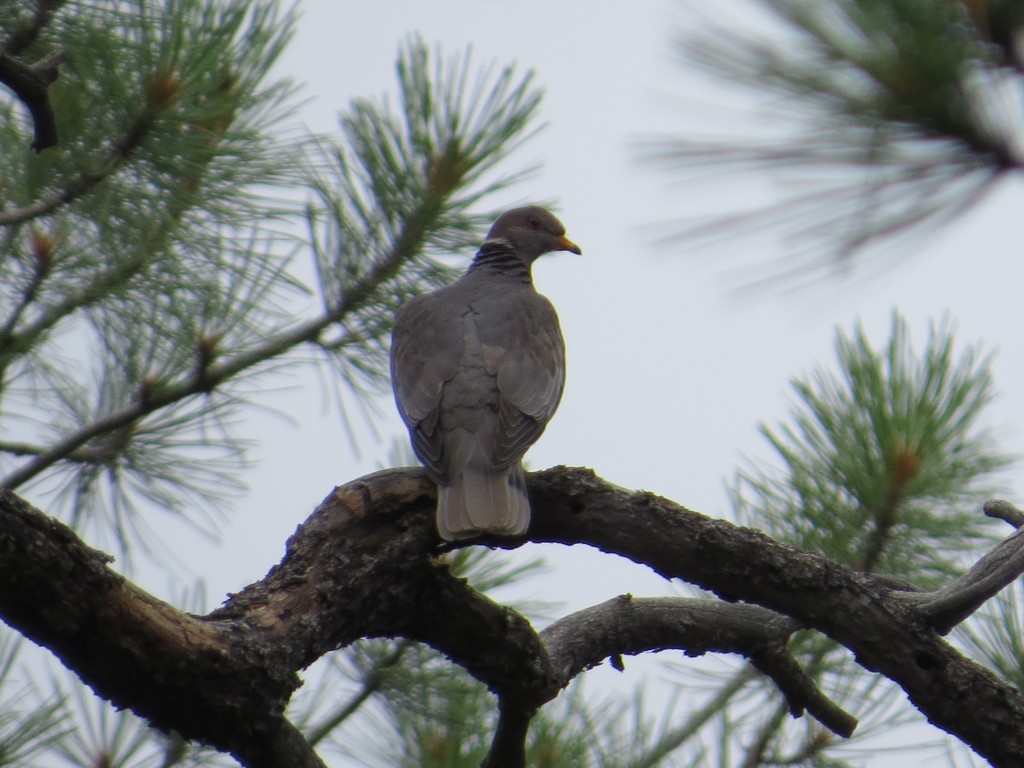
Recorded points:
(523,348)
(426,346)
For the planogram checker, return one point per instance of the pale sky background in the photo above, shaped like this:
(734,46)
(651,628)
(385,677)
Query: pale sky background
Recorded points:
(669,372)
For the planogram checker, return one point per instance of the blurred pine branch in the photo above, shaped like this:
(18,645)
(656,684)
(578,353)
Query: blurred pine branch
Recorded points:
(878,120)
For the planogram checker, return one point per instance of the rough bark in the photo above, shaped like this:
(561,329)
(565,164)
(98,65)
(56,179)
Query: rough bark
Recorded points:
(365,565)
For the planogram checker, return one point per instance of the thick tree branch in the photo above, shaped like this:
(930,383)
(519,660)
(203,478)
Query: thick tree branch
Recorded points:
(885,632)
(364,565)
(138,651)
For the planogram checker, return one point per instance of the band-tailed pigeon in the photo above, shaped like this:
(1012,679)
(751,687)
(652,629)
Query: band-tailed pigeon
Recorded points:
(478,369)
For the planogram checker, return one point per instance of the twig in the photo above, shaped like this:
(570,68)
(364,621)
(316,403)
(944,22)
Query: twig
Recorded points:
(116,155)
(950,605)
(1004,510)
(801,692)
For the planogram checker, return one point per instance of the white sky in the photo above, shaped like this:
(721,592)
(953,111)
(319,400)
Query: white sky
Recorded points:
(669,374)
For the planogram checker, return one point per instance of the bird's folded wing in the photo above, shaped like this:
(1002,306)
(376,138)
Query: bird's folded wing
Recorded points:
(523,348)
(426,345)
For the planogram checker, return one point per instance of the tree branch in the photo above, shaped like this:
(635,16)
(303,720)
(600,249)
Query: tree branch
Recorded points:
(138,651)
(30,83)
(950,605)
(800,690)
(864,613)
(630,625)
(364,565)
(283,745)
(1005,511)
(408,242)
(508,748)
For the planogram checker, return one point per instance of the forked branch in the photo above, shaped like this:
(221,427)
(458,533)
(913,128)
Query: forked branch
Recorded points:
(366,564)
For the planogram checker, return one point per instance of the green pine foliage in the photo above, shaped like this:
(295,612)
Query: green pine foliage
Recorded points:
(151,255)
(148,265)
(884,462)
(401,188)
(881,119)
(31,723)
(883,465)
(137,250)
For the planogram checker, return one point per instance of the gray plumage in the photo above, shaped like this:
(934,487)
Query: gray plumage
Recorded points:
(478,369)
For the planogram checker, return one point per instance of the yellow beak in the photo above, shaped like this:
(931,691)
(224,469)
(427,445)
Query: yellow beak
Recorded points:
(569,245)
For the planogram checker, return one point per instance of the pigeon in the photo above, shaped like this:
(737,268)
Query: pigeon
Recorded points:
(478,369)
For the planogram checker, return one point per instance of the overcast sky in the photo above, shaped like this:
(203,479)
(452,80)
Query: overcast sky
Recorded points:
(669,372)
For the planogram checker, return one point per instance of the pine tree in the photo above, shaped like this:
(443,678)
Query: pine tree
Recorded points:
(150,232)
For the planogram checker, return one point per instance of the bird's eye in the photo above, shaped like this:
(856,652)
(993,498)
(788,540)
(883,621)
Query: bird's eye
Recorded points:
(533,222)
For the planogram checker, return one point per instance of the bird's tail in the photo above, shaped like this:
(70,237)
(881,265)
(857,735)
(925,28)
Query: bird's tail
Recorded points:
(483,500)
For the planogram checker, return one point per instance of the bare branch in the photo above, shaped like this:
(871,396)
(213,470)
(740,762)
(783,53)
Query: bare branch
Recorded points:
(886,633)
(138,651)
(1004,510)
(947,607)
(630,625)
(801,692)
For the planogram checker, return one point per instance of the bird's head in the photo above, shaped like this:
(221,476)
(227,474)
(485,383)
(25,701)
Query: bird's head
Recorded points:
(532,231)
